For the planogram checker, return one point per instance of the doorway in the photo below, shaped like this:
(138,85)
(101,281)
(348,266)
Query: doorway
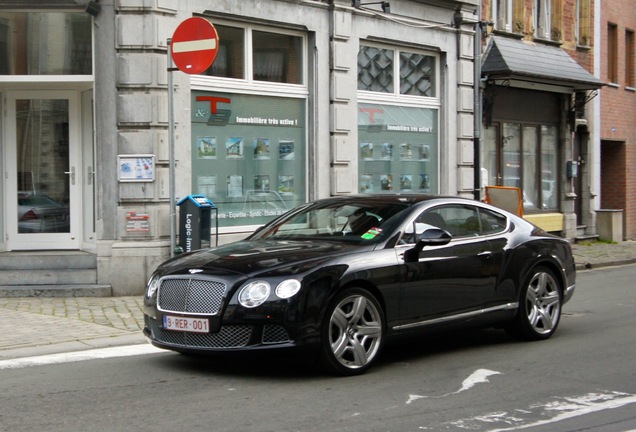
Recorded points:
(43,170)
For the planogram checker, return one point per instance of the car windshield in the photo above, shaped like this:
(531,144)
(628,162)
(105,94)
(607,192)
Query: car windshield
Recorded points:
(364,221)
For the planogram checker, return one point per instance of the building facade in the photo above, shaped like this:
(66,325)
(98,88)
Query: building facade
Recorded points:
(305,99)
(540,115)
(618,111)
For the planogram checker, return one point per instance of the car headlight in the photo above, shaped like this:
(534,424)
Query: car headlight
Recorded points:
(287,288)
(254,294)
(153,284)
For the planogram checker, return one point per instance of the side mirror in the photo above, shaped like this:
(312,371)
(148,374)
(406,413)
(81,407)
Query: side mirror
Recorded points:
(434,237)
(430,237)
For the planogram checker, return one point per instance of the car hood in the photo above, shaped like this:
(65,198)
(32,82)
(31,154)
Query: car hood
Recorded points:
(259,257)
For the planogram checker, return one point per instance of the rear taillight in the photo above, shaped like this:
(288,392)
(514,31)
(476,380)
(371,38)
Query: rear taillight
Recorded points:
(30,215)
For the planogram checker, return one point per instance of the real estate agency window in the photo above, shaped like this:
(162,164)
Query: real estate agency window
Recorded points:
(248,126)
(398,120)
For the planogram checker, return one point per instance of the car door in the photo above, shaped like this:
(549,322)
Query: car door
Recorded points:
(448,279)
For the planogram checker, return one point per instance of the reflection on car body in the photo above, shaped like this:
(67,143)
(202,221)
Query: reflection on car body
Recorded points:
(313,280)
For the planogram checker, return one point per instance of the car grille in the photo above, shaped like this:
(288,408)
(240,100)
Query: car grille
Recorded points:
(190,295)
(274,334)
(231,336)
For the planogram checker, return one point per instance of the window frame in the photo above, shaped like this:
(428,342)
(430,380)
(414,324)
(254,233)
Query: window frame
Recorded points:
(612,53)
(630,62)
(542,19)
(501,16)
(369,95)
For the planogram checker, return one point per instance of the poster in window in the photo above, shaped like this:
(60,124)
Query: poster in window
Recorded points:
(424,152)
(261,183)
(261,148)
(206,185)
(406,182)
(386,182)
(286,149)
(366,183)
(234,186)
(234,147)
(425,183)
(286,184)
(387,151)
(206,147)
(406,151)
(366,151)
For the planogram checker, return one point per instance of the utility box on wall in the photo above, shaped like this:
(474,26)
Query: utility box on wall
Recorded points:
(610,225)
(195,222)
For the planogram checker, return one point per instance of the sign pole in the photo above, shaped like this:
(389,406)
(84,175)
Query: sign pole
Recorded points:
(171,172)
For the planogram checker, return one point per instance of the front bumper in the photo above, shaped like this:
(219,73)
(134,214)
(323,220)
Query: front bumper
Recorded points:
(228,338)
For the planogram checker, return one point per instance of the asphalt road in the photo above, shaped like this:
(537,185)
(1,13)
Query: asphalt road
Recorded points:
(583,379)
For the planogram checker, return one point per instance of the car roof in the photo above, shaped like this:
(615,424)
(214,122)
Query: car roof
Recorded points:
(398,198)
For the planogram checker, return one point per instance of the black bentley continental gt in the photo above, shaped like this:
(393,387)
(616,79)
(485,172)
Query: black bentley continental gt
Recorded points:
(342,275)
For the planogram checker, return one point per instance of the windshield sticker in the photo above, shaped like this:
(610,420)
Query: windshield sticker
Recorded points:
(371,234)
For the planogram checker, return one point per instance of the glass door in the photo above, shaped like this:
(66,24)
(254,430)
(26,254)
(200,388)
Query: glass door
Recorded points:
(43,161)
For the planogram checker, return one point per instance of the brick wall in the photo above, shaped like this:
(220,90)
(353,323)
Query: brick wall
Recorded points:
(618,120)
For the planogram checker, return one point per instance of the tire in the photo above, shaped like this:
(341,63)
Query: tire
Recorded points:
(352,333)
(540,305)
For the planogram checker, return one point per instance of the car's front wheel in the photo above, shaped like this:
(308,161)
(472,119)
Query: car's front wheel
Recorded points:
(352,332)
(540,306)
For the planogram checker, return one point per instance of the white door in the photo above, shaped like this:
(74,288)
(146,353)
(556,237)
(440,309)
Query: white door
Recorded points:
(43,170)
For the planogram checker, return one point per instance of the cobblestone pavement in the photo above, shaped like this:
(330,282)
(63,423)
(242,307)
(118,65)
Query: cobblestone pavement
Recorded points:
(32,325)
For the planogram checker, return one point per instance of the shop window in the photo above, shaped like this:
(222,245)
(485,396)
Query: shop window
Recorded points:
(398,149)
(248,155)
(45,43)
(524,156)
(385,70)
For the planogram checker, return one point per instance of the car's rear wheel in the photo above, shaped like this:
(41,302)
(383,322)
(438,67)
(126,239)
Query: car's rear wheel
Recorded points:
(352,333)
(539,307)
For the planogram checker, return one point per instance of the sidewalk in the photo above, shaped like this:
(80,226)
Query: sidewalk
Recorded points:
(35,326)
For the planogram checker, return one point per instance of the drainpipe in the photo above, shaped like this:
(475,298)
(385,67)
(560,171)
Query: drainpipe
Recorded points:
(477,93)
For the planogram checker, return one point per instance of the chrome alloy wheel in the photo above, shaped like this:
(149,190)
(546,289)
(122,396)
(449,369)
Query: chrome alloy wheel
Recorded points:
(543,302)
(355,331)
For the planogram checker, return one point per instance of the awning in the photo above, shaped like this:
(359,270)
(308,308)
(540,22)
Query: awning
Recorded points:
(518,60)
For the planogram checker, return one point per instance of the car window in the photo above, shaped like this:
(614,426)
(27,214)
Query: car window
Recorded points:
(492,222)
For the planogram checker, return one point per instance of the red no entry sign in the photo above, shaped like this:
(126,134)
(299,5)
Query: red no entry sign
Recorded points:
(194,45)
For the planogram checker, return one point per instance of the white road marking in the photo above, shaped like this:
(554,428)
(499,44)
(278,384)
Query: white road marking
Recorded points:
(77,356)
(542,414)
(477,377)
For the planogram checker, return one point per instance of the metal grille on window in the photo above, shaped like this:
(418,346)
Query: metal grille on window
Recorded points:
(375,69)
(416,74)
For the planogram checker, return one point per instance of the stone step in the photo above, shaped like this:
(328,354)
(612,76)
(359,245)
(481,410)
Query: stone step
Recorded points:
(50,274)
(48,277)
(47,260)
(60,290)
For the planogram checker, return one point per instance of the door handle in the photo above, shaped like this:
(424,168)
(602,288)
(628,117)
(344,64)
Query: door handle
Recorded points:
(90,175)
(72,174)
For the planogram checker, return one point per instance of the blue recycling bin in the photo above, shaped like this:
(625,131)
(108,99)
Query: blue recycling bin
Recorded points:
(195,222)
